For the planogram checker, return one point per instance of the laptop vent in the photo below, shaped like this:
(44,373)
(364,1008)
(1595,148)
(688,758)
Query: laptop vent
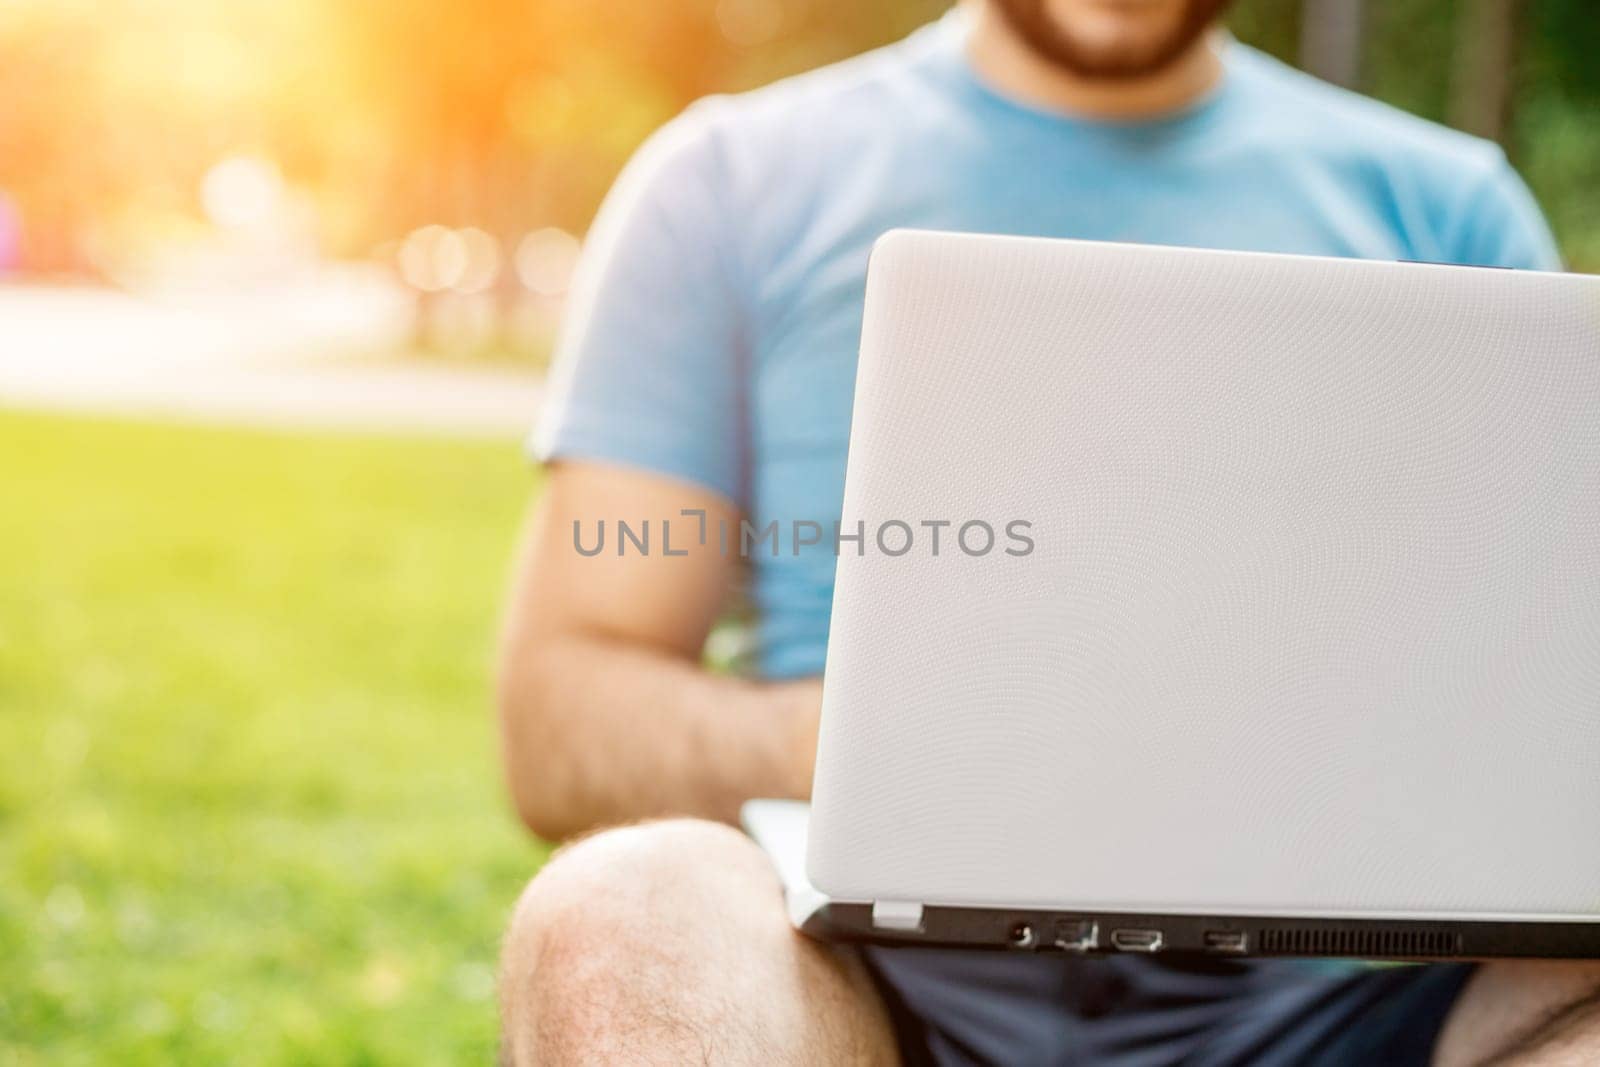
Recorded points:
(1376,944)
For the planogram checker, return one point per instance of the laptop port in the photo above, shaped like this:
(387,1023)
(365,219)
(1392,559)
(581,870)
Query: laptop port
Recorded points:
(1021,935)
(1076,935)
(1136,940)
(1224,941)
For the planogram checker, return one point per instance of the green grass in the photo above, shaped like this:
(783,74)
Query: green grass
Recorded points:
(250,809)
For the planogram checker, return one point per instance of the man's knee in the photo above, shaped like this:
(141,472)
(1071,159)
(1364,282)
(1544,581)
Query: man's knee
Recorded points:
(613,886)
(630,910)
(673,936)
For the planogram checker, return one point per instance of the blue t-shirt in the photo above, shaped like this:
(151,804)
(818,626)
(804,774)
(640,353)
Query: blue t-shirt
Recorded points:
(713,329)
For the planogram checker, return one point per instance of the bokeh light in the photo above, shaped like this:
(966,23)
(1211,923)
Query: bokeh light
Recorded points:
(482,267)
(433,258)
(545,260)
(241,191)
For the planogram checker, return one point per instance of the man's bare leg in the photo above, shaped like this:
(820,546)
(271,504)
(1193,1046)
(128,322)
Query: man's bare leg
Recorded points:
(667,942)
(1525,1014)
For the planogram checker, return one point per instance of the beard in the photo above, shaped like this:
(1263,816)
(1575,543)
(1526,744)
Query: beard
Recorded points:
(1046,36)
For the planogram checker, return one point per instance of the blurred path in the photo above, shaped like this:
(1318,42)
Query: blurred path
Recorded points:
(243,360)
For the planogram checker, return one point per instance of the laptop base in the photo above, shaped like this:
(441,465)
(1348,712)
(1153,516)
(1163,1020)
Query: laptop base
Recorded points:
(1100,933)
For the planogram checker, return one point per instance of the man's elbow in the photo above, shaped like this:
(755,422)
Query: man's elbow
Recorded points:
(537,767)
(548,820)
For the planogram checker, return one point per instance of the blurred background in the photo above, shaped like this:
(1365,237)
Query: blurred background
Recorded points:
(249,801)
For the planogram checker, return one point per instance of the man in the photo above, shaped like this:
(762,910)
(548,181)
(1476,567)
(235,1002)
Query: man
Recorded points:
(708,367)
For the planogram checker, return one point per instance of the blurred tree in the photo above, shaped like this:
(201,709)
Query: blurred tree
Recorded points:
(1555,136)
(1330,40)
(1485,54)
(43,162)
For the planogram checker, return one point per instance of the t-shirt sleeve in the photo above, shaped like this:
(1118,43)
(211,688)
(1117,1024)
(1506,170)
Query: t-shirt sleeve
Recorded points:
(1501,225)
(648,369)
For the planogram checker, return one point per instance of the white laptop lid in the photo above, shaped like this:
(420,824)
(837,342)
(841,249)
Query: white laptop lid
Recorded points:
(1311,621)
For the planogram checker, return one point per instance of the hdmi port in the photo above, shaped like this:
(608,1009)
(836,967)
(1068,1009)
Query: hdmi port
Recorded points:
(1136,940)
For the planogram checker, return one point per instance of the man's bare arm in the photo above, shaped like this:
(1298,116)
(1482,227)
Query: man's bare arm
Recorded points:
(606,712)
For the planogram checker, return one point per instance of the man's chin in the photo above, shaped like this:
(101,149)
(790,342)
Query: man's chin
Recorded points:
(1116,54)
(1118,63)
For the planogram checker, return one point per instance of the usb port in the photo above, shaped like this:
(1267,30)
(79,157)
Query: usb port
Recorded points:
(1224,941)
(1076,935)
(1136,940)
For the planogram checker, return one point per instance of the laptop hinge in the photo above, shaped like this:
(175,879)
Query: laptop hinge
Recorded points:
(902,915)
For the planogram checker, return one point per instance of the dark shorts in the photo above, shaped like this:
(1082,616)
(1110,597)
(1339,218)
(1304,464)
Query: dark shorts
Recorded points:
(1126,1011)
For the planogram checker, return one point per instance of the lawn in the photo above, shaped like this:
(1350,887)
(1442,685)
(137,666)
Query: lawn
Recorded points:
(250,810)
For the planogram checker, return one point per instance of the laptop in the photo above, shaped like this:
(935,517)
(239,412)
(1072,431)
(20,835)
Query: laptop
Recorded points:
(1263,615)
